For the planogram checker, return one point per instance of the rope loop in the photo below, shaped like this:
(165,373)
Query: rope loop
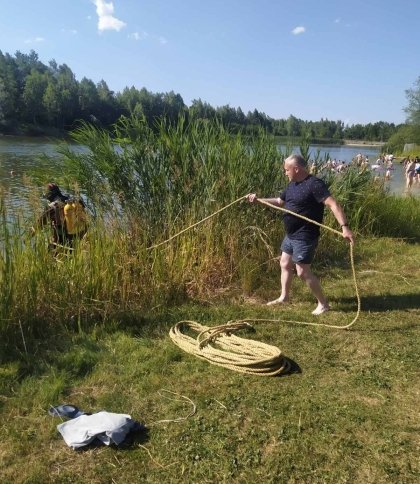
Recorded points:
(223,348)
(229,351)
(223,329)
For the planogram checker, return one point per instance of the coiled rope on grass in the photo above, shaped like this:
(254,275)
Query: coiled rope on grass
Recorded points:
(219,346)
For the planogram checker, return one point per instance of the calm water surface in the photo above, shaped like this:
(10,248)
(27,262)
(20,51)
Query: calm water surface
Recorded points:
(19,155)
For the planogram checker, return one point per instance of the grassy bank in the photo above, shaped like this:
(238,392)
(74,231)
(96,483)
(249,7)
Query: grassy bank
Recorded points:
(155,185)
(349,413)
(91,327)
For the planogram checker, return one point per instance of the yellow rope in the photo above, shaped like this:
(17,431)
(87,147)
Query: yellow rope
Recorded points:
(347,326)
(238,354)
(263,202)
(195,225)
(222,348)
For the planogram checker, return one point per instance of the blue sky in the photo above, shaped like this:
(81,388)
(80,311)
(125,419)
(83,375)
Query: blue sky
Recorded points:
(345,59)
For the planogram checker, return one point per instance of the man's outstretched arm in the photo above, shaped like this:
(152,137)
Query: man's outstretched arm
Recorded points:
(340,216)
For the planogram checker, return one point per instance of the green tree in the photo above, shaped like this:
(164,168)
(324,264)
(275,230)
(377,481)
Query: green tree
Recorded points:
(293,126)
(413,108)
(128,99)
(107,103)
(3,100)
(173,105)
(156,107)
(88,99)
(68,89)
(147,103)
(407,133)
(226,114)
(240,117)
(33,93)
(51,101)
(355,131)
(25,64)
(280,127)
(201,110)
(9,91)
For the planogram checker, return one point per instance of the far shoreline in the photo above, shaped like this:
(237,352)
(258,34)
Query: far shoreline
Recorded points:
(66,136)
(361,143)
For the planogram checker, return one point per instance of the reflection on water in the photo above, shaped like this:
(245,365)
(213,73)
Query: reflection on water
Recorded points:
(18,157)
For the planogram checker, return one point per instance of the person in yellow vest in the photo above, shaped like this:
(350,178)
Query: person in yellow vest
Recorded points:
(75,221)
(66,216)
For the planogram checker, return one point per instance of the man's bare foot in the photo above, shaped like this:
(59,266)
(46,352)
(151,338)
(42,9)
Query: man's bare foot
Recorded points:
(279,300)
(320,309)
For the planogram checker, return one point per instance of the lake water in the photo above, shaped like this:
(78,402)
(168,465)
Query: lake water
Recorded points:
(346,153)
(18,155)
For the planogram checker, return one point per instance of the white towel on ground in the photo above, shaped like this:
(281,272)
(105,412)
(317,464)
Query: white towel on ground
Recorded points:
(105,426)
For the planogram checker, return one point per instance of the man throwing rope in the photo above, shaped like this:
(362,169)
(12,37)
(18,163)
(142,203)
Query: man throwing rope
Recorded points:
(305,195)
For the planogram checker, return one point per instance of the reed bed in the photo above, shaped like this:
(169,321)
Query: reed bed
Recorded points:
(143,186)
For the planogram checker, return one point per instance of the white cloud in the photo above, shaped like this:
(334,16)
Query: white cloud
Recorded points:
(337,20)
(35,40)
(144,35)
(138,35)
(69,31)
(106,19)
(298,30)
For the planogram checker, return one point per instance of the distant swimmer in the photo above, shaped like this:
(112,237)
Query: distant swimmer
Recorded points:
(410,171)
(389,168)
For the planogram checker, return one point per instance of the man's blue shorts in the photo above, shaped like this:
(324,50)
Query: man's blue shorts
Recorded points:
(302,251)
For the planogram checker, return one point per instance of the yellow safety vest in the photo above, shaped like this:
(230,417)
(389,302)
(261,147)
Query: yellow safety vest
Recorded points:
(75,218)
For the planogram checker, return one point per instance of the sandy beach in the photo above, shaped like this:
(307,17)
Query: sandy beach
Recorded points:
(352,142)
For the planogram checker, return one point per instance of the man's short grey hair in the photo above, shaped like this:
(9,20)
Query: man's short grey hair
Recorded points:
(298,160)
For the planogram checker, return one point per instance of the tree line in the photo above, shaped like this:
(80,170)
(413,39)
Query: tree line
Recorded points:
(408,134)
(35,97)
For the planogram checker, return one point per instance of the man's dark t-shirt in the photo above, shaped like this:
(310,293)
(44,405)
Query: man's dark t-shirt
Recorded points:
(304,198)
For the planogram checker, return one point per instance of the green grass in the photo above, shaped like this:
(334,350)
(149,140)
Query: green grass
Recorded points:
(349,415)
(92,329)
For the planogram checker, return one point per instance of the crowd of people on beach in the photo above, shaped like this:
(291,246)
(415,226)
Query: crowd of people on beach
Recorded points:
(384,162)
(383,167)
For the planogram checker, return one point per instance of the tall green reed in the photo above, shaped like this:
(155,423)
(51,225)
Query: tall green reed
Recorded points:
(144,185)
(178,173)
